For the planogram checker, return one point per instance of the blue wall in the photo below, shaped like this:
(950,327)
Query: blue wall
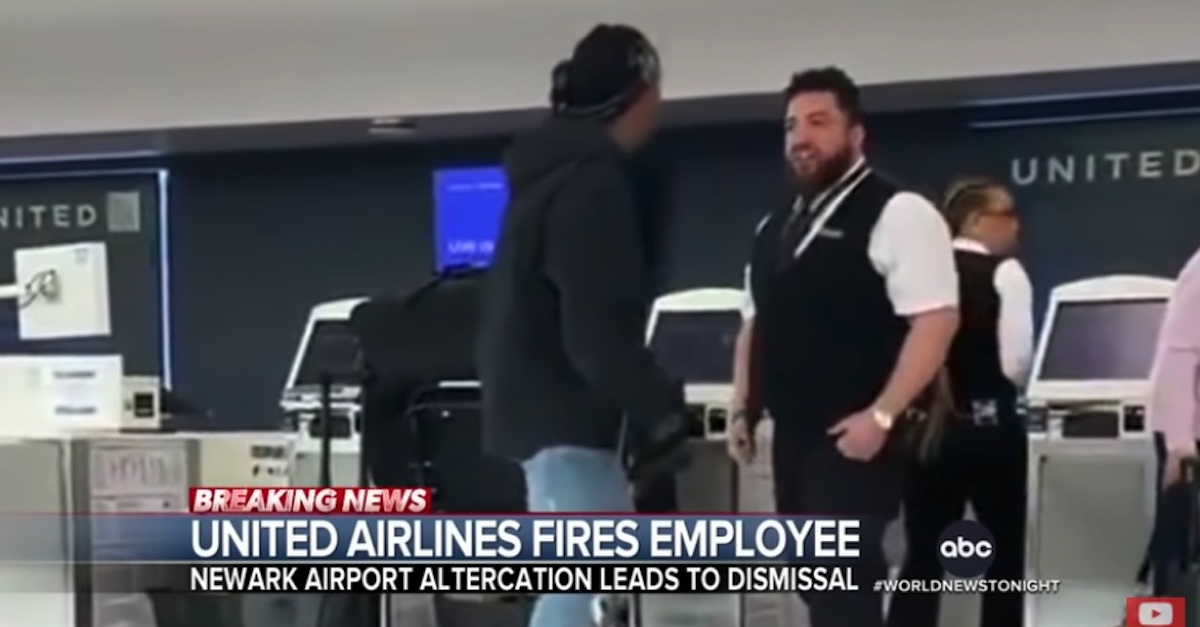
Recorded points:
(258,239)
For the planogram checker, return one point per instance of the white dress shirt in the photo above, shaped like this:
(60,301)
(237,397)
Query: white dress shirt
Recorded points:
(910,247)
(1014,331)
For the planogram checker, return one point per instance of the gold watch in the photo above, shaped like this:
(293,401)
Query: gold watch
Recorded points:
(883,418)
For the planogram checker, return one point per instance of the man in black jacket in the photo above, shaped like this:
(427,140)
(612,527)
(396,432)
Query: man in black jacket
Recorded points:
(562,358)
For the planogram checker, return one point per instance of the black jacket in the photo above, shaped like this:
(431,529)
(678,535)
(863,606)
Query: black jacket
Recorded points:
(562,353)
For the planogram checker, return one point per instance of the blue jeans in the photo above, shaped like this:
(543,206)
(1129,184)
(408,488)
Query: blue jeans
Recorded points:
(573,479)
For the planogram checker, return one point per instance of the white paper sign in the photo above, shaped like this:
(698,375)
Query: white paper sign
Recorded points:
(130,476)
(138,470)
(83,391)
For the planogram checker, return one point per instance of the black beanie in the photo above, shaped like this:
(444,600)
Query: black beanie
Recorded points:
(599,66)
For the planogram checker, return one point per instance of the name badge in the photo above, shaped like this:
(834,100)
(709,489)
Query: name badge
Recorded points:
(985,413)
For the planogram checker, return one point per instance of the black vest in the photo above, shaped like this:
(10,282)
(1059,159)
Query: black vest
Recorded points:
(826,336)
(974,361)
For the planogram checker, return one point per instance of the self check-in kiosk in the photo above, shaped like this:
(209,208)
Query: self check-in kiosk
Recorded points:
(1091,457)
(328,351)
(692,334)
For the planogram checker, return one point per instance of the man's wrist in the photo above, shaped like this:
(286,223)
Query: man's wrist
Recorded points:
(889,406)
(883,418)
(740,412)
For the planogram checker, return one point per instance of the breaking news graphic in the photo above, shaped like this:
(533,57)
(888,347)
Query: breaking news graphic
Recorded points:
(316,540)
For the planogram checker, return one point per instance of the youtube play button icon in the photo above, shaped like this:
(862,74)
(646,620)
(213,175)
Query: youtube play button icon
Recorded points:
(1158,612)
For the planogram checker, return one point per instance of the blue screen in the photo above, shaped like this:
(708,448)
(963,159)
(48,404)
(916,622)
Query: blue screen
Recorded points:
(468,205)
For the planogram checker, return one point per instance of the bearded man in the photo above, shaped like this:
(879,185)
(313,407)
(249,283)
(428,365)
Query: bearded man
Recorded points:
(852,306)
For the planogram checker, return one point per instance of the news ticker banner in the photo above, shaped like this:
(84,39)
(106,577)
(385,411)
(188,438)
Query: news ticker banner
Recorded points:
(499,579)
(392,524)
(321,539)
(502,554)
(343,551)
(188,538)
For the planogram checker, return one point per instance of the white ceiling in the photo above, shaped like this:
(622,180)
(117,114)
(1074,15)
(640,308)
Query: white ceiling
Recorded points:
(74,66)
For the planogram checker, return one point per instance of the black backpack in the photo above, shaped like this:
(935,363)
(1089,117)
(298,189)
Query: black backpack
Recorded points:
(406,345)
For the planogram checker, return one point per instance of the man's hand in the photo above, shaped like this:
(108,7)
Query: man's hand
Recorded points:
(859,436)
(1173,466)
(740,439)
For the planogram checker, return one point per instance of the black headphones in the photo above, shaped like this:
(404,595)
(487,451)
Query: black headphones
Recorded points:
(641,71)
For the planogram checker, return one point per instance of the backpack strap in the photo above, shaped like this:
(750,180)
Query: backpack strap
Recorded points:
(452,273)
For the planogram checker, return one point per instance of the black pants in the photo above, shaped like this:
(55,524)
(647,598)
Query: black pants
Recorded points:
(812,477)
(1149,571)
(1170,541)
(982,465)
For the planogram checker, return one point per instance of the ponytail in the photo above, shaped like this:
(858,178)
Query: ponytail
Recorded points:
(933,419)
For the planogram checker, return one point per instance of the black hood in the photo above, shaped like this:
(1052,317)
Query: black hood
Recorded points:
(557,142)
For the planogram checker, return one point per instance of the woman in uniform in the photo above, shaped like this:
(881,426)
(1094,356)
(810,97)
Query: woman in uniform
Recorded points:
(979,456)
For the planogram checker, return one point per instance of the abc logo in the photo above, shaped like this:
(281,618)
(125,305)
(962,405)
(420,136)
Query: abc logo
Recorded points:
(966,549)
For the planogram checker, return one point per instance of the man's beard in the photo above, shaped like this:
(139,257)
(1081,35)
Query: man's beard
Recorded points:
(827,173)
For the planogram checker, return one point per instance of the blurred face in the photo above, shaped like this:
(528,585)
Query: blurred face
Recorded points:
(637,125)
(996,224)
(820,141)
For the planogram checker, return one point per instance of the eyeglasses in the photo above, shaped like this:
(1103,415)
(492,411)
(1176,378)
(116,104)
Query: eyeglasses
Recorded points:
(1006,212)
